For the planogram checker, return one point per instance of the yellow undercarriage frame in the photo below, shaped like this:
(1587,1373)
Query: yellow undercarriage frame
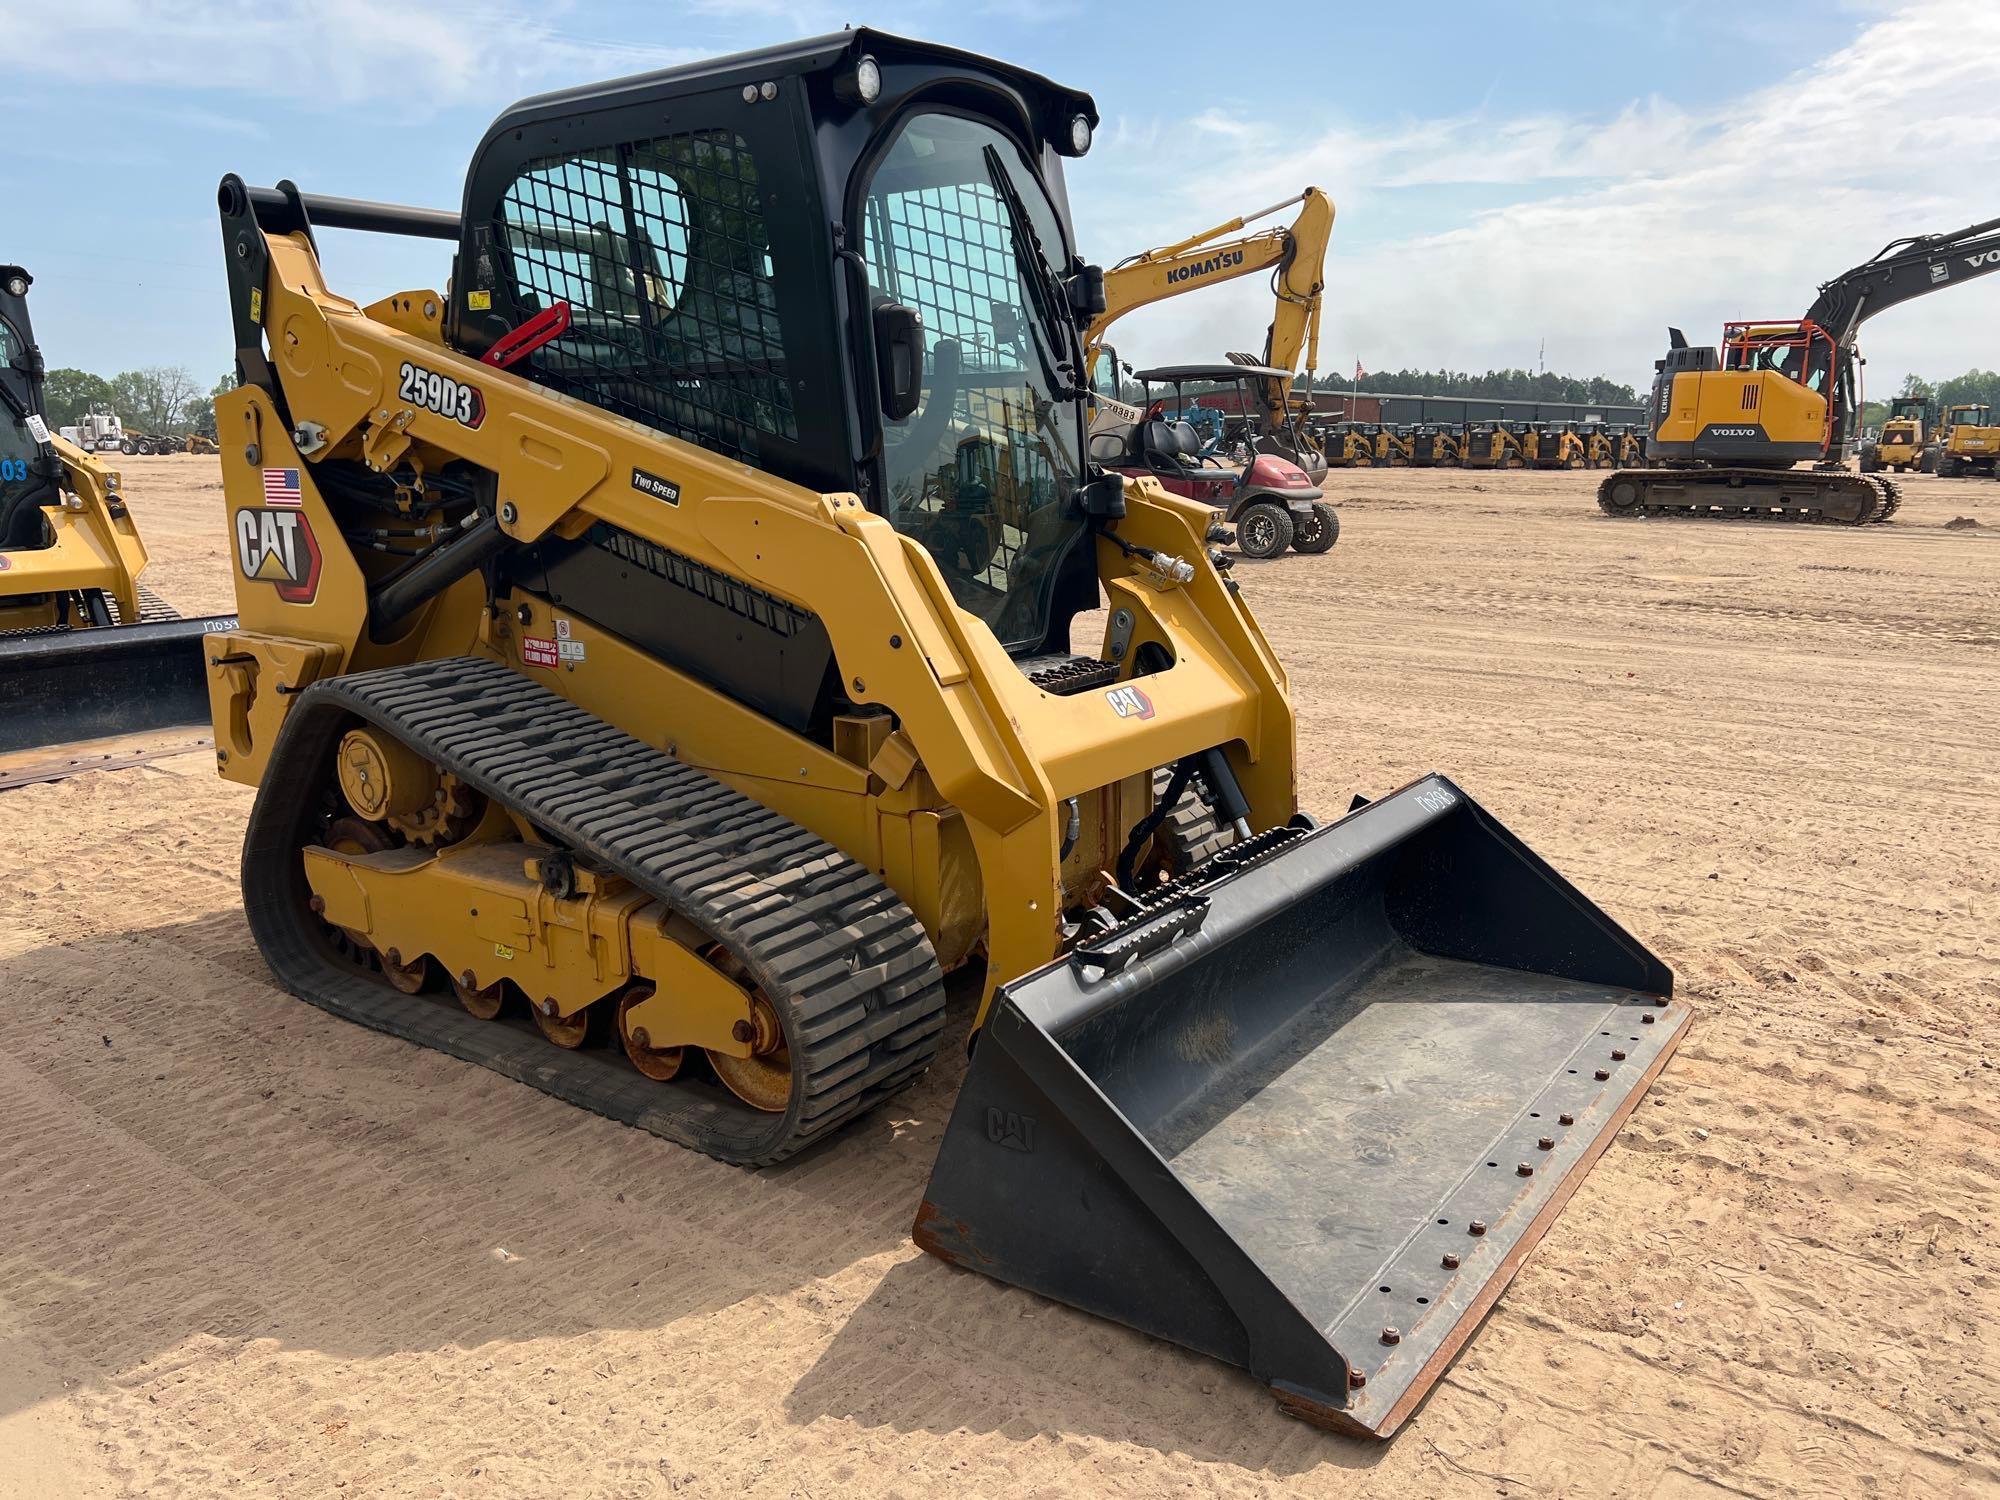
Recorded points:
(566,952)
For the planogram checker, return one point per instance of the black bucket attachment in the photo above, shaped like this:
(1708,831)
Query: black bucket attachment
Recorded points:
(61,686)
(1310,1113)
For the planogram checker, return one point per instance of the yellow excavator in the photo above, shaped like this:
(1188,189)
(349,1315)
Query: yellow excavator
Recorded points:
(1294,254)
(655,673)
(1731,426)
(85,651)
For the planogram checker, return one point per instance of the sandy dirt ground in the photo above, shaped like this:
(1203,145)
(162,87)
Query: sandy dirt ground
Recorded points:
(249,1247)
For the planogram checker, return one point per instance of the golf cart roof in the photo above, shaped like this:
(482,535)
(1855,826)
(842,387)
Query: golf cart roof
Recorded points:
(1172,374)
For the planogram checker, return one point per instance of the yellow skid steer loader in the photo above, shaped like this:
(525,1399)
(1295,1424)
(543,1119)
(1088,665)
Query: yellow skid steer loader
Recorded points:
(680,685)
(85,651)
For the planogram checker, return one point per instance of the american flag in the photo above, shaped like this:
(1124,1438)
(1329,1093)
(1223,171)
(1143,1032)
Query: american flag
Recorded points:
(281,488)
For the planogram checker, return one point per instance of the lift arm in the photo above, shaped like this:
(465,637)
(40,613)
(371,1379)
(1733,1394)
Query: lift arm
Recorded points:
(1902,270)
(1295,254)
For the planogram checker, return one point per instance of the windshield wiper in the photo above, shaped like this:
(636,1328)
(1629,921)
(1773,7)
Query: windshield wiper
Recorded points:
(1033,264)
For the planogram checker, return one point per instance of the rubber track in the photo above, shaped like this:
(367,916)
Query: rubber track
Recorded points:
(152,610)
(1888,497)
(829,943)
(1190,835)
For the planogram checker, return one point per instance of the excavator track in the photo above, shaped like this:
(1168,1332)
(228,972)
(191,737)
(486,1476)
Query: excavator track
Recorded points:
(842,959)
(1832,497)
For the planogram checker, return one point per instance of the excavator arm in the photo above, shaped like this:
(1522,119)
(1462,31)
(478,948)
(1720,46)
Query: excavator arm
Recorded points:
(1902,270)
(1294,253)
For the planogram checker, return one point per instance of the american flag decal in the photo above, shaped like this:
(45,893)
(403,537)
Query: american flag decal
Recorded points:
(281,488)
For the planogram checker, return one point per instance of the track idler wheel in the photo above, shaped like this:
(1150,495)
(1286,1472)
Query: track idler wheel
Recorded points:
(567,1032)
(658,1063)
(1621,495)
(411,977)
(763,1080)
(485,1004)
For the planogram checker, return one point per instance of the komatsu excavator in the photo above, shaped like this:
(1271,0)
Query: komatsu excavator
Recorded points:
(665,678)
(1728,431)
(85,651)
(1295,255)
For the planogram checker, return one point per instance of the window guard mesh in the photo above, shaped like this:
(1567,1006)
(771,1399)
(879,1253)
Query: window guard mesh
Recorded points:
(660,248)
(948,251)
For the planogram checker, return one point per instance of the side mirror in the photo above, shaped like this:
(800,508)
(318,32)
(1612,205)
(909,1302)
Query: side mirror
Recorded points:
(899,358)
(1085,286)
(1108,447)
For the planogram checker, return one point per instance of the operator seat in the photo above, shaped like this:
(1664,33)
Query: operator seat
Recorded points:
(1173,449)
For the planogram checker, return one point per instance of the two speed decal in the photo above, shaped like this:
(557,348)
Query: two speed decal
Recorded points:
(443,395)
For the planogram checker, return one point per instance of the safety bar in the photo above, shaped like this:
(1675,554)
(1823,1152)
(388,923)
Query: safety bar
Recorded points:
(275,212)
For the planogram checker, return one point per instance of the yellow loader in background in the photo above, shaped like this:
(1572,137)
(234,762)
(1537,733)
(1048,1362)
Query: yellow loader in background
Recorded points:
(1909,439)
(1969,442)
(681,685)
(85,651)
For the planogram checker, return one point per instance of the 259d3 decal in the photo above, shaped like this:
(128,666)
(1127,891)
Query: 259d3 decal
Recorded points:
(443,395)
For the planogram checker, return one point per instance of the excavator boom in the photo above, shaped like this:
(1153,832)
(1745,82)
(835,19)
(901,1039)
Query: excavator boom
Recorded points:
(1294,253)
(1902,271)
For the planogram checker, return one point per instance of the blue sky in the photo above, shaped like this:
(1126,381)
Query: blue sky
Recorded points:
(1506,174)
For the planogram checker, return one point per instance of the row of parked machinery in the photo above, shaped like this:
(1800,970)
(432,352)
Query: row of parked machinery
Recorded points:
(1497,444)
(1961,441)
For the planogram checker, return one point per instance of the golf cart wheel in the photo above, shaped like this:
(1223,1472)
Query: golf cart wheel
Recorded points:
(1318,531)
(1264,530)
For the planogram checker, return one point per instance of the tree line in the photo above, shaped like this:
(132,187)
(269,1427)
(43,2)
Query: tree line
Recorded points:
(164,399)
(1974,387)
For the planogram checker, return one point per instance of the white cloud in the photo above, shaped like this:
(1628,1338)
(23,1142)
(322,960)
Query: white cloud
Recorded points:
(413,56)
(1218,122)
(1609,229)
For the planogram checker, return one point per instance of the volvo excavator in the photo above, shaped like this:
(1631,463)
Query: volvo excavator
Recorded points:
(1730,427)
(655,673)
(85,651)
(1295,255)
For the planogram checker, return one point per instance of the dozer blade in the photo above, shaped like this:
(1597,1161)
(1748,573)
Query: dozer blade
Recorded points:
(59,686)
(1308,1113)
